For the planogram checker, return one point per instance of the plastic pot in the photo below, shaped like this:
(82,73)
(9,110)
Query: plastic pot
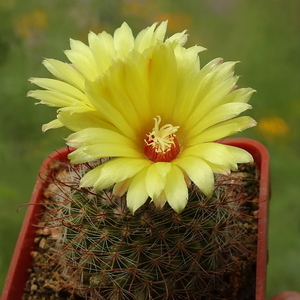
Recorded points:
(22,260)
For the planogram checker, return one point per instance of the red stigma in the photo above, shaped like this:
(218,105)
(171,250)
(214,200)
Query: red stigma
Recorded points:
(155,155)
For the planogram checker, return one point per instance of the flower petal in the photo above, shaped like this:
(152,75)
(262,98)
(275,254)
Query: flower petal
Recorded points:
(65,72)
(96,136)
(127,81)
(115,170)
(137,193)
(191,85)
(219,114)
(160,201)
(103,50)
(120,188)
(180,38)
(89,153)
(54,98)
(219,154)
(176,190)
(241,95)
(79,121)
(82,64)
(221,130)
(104,98)
(198,171)
(212,91)
(60,86)
(156,178)
(94,143)
(52,125)
(150,36)
(163,78)
(240,155)
(123,39)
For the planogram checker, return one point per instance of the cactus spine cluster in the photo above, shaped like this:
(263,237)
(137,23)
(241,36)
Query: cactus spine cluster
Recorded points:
(106,253)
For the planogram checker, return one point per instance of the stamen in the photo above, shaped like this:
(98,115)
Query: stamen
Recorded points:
(161,143)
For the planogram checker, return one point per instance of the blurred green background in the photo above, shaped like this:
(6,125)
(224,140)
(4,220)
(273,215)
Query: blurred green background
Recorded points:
(263,35)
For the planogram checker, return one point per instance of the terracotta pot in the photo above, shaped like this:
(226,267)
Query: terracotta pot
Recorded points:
(22,260)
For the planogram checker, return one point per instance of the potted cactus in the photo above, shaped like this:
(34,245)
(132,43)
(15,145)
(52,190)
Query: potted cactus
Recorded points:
(147,201)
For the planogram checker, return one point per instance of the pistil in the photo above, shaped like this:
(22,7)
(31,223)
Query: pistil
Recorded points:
(161,144)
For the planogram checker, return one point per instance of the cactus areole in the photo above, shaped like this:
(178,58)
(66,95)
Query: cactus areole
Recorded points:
(96,248)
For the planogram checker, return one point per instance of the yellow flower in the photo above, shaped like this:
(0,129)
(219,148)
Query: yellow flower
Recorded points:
(146,104)
(274,126)
(30,25)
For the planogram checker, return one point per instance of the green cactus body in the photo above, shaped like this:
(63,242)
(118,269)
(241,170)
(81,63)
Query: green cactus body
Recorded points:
(105,252)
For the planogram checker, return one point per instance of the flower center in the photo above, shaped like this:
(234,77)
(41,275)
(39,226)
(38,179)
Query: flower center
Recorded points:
(161,144)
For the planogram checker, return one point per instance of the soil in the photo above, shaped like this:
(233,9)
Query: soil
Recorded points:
(46,281)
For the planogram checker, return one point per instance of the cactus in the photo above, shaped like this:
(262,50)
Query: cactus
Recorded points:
(105,252)
(183,243)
